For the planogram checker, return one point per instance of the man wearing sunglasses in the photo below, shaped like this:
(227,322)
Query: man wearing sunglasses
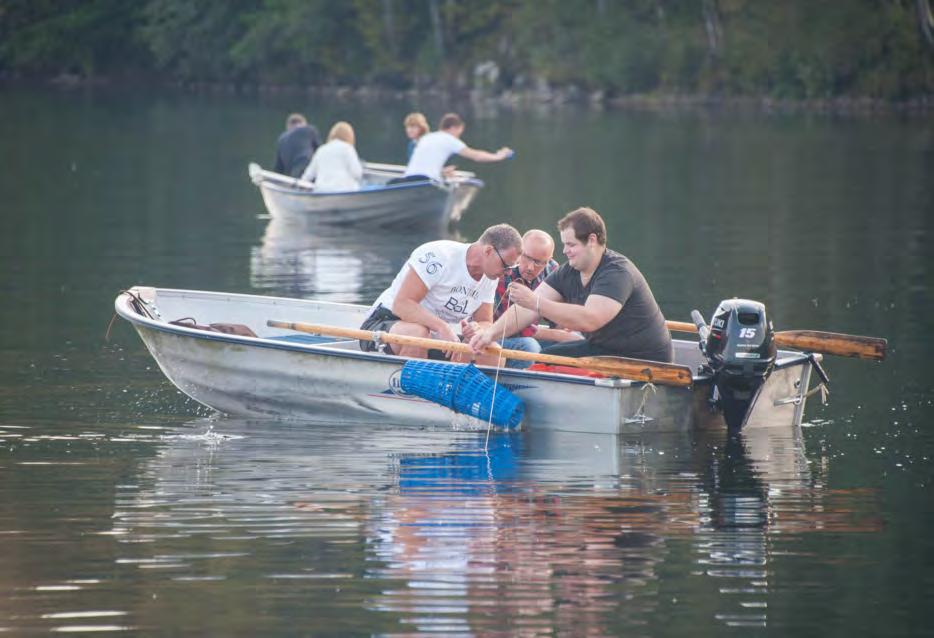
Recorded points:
(444,286)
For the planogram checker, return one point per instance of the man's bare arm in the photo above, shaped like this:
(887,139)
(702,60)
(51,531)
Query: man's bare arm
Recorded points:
(485,156)
(407,304)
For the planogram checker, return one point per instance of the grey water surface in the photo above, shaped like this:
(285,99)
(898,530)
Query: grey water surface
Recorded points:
(127,508)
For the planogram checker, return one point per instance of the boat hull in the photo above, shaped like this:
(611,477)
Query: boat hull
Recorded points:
(336,382)
(416,204)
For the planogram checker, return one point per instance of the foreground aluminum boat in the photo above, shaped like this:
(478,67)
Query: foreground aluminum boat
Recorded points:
(415,204)
(289,375)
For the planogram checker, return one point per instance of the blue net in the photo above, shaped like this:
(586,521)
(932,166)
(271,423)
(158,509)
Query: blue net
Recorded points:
(464,389)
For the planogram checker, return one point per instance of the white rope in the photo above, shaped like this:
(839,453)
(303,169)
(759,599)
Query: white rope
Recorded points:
(639,415)
(499,360)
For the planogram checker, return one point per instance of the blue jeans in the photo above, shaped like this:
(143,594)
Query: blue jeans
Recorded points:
(525,344)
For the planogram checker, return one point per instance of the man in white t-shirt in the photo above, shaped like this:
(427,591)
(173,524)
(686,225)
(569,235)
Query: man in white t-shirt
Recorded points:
(444,285)
(434,149)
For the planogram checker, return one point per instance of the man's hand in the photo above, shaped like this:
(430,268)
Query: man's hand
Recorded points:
(482,340)
(447,334)
(469,329)
(522,295)
(504,153)
(448,171)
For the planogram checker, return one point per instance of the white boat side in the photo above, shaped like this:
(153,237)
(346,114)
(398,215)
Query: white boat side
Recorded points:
(265,376)
(416,204)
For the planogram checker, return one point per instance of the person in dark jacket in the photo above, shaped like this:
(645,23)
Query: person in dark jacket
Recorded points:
(296,146)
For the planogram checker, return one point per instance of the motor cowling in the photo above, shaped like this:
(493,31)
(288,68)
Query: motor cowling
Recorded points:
(741,351)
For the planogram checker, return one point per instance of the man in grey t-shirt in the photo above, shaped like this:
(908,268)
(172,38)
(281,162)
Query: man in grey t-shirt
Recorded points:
(598,292)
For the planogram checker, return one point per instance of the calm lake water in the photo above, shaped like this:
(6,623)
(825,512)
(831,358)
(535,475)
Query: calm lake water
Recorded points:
(125,507)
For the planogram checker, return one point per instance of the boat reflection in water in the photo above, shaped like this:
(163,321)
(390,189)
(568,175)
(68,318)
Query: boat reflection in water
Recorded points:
(301,258)
(426,531)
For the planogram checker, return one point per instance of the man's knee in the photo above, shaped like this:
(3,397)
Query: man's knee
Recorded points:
(407,329)
(525,344)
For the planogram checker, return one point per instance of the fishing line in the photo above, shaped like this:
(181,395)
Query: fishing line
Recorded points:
(499,359)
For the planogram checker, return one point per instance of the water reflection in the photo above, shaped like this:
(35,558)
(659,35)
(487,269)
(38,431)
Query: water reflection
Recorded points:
(299,258)
(432,533)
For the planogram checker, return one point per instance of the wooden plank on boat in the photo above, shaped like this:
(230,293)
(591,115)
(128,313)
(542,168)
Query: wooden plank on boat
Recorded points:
(633,369)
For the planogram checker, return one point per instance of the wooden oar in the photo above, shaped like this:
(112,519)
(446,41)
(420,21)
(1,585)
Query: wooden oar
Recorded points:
(634,369)
(257,174)
(816,341)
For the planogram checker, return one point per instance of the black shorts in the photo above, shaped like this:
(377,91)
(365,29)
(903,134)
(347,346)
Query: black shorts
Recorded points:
(383,320)
(380,319)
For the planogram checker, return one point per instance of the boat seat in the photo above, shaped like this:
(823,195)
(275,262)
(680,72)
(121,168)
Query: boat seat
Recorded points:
(306,339)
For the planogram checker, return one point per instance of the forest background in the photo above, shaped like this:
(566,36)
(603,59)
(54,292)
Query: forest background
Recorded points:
(594,50)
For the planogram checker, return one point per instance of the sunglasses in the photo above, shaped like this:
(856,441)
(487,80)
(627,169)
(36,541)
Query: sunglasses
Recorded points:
(503,261)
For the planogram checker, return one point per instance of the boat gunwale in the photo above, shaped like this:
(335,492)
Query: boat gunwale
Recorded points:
(447,187)
(121,306)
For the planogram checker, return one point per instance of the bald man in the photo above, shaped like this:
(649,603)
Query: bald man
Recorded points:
(534,266)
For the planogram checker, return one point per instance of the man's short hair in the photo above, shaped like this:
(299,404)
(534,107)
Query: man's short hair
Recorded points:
(449,121)
(502,237)
(585,222)
(294,120)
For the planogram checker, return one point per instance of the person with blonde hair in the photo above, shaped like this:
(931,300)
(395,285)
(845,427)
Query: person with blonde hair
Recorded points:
(335,167)
(416,127)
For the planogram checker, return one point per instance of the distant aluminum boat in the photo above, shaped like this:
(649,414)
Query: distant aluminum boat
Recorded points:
(283,374)
(416,204)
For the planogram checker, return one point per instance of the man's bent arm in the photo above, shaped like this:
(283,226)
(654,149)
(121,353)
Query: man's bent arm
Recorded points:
(483,315)
(407,304)
(593,315)
(511,322)
(556,334)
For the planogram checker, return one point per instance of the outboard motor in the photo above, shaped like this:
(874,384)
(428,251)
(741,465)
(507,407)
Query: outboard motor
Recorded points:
(740,348)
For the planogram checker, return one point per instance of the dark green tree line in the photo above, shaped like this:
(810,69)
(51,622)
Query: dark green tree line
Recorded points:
(787,49)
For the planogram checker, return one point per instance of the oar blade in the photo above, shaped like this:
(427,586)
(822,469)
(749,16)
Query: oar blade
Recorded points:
(835,343)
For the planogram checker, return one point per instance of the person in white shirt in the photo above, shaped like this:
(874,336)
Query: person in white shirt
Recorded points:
(443,287)
(434,149)
(335,166)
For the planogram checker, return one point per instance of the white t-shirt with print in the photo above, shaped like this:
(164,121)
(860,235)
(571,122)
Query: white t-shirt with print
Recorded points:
(431,152)
(452,293)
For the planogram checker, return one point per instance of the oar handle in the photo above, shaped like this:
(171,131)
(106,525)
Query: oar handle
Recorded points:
(634,369)
(681,326)
(837,343)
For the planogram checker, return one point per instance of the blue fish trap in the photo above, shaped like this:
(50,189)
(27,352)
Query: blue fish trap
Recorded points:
(464,389)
